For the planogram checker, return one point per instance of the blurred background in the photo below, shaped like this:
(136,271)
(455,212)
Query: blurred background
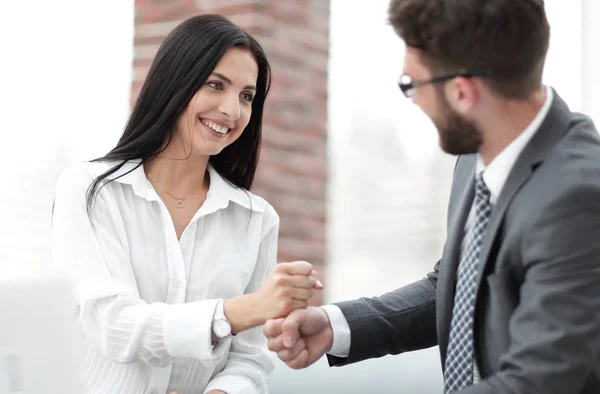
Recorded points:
(352,167)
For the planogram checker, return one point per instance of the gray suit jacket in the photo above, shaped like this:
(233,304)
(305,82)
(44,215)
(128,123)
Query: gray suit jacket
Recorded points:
(537,314)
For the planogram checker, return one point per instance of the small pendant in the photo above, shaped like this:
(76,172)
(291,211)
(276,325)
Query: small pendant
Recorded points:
(180,204)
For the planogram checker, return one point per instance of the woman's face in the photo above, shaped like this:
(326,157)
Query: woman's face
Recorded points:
(220,111)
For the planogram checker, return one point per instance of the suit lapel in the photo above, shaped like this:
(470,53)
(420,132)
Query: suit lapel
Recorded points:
(464,189)
(517,178)
(550,132)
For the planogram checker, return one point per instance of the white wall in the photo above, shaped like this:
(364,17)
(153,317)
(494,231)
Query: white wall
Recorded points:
(590,75)
(564,64)
(65,78)
(573,63)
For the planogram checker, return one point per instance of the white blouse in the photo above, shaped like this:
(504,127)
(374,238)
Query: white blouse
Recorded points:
(146,300)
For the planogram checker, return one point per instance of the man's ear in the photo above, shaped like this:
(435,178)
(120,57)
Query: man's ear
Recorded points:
(461,94)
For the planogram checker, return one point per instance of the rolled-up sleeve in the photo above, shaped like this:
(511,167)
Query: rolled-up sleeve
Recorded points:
(249,362)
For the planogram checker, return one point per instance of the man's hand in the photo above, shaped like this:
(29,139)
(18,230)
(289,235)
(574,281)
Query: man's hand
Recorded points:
(301,338)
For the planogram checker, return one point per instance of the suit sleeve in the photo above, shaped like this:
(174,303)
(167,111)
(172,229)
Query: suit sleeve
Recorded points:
(399,321)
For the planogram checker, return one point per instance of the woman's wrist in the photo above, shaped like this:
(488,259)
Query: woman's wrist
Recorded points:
(243,312)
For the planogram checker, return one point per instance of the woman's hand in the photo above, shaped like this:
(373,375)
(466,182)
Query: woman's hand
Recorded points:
(289,287)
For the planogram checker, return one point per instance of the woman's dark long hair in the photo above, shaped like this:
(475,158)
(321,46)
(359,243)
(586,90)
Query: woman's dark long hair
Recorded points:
(182,65)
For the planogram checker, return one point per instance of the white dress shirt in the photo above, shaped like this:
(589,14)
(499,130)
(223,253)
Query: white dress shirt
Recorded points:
(494,175)
(146,299)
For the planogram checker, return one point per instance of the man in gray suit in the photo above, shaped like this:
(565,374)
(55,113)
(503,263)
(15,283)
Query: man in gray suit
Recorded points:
(514,302)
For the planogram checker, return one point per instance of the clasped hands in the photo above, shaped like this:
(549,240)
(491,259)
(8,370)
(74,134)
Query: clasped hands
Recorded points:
(301,336)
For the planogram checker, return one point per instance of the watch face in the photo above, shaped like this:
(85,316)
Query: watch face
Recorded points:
(221,328)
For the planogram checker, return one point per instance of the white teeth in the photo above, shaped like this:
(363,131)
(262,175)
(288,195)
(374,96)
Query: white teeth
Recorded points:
(216,127)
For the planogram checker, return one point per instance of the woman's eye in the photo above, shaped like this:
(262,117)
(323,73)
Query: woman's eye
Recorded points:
(215,85)
(247,97)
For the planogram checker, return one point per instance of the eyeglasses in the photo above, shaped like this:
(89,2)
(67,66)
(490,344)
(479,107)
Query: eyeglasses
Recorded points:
(406,84)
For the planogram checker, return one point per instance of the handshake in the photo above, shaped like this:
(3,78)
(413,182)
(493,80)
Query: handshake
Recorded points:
(299,334)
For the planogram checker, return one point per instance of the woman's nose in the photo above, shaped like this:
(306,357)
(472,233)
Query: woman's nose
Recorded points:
(230,106)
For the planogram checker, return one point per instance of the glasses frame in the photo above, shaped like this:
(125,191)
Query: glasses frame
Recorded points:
(408,87)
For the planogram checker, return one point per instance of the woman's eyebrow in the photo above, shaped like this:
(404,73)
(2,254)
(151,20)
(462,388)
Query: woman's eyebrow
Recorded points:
(228,81)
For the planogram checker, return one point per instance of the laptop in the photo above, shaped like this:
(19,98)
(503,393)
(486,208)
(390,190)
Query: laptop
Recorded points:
(39,353)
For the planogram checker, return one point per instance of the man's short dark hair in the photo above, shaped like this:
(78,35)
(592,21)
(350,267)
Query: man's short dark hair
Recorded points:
(507,37)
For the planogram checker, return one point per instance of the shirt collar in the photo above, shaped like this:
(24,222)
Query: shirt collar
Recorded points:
(223,191)
(496,173)
(220,191)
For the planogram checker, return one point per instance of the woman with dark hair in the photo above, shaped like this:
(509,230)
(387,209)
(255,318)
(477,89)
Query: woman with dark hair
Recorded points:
(172,258)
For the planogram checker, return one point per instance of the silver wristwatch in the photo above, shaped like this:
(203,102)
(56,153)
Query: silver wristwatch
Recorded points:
(220,325)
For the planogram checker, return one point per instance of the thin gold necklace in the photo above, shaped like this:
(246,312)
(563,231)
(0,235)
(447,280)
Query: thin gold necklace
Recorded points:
(180,200)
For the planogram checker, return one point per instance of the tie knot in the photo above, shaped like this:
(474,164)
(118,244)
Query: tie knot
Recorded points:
(482,192)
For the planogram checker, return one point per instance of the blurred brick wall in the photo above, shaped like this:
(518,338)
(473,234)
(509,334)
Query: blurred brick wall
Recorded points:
(293,165)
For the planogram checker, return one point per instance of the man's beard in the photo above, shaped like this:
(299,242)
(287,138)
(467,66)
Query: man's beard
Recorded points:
(458,136)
